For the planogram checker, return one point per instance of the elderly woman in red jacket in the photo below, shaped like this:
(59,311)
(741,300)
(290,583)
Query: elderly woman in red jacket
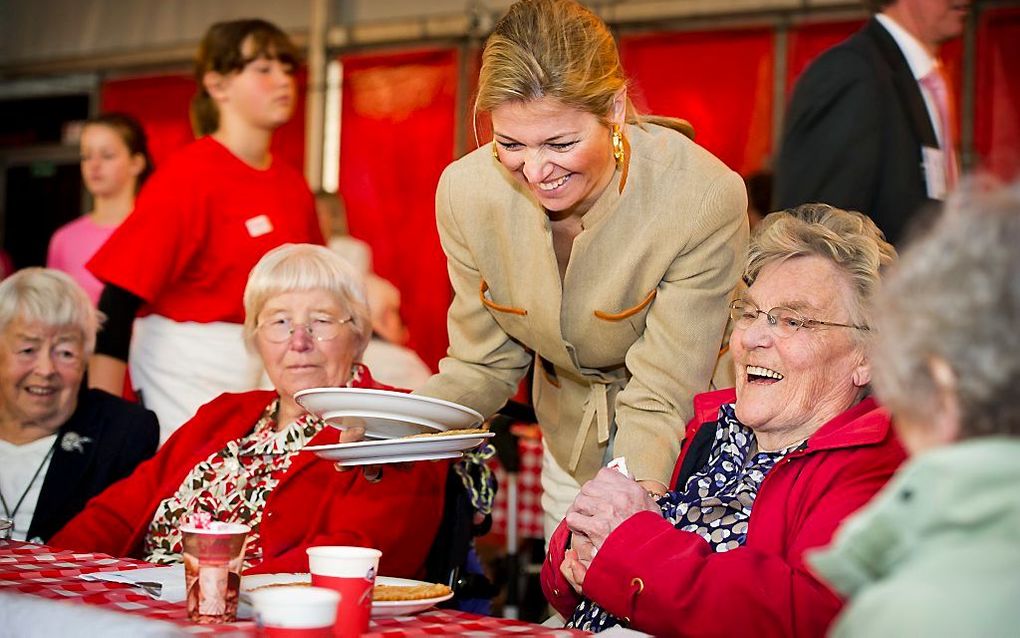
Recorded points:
(767,470)
(240,460)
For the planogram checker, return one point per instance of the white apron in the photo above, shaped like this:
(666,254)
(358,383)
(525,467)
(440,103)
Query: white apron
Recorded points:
(177,367)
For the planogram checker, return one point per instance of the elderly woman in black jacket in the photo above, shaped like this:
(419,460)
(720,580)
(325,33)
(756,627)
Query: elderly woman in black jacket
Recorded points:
(60,443)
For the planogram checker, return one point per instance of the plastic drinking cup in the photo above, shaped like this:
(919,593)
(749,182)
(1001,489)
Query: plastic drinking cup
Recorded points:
(213,557)
(351,572)
(295,612)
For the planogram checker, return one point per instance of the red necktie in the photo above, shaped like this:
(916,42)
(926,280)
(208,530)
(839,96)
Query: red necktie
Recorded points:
(936,84)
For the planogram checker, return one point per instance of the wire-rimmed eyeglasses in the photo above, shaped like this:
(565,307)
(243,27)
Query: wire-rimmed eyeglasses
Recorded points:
(783,321)
(320,328)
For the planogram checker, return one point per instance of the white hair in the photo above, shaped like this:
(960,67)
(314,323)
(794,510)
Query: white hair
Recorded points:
(49,297)
(955,296)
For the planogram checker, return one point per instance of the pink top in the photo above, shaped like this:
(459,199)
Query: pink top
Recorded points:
(73,245)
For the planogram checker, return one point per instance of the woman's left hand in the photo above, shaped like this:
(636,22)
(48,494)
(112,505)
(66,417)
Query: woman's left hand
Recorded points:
(573,570)
(605,502)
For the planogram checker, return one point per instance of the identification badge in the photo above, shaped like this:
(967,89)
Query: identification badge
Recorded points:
(934,162)
(259,225)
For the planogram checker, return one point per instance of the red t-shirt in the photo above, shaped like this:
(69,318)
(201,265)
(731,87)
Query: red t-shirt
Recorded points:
(199,226)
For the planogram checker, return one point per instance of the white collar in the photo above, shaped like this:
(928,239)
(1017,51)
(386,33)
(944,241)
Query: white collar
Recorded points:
(920,61)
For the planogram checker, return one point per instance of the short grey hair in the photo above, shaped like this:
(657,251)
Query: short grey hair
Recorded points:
(956,296)
(51,298)
(848,239)
(303,267)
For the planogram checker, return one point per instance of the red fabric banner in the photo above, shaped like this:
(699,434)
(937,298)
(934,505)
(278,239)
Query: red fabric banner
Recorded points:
(397,128)
(997,107)
(720,81)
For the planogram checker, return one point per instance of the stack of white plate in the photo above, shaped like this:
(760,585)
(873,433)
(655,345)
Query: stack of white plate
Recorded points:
(387,417)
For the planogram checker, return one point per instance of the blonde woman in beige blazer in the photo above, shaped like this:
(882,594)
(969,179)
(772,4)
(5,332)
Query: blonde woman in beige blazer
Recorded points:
(598,245)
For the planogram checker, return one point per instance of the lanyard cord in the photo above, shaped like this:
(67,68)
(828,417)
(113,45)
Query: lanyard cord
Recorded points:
(9,513)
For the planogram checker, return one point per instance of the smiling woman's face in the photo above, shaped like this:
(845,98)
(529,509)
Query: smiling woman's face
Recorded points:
(41,369)
(563,155)
(302,362)
(788,387)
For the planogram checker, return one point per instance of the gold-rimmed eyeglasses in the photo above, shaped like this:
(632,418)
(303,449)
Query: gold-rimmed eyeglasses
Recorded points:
(784,322)
(321,328)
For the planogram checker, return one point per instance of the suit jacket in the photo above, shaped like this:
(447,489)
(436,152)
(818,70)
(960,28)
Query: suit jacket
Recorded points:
(120,436)
(631,333)
(313,504)
(854,131)
(670,582)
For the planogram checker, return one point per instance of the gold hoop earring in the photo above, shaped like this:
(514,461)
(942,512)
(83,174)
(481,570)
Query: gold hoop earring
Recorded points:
(618,152)
(495,151)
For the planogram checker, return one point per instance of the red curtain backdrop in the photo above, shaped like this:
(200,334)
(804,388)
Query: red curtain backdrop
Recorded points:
(161,103)
(997,107)
(720,81)
(397,127)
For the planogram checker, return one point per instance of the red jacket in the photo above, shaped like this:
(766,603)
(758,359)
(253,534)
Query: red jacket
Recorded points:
(670,583)
(313,504)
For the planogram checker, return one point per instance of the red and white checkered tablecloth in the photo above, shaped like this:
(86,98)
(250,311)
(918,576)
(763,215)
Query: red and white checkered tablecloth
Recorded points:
(50,573)
(447,622)
(53,573)
(529,492)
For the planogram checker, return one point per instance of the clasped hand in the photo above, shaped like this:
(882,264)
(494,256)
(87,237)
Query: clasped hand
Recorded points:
(603,504)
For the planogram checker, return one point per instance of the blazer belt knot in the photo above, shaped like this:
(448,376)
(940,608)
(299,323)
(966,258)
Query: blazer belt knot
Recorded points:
(596,410)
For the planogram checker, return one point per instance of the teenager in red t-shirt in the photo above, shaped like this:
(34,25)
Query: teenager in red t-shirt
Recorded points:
(181,260)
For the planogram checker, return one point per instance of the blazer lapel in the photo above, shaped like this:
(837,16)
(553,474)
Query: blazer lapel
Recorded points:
(67,468)
(905,83)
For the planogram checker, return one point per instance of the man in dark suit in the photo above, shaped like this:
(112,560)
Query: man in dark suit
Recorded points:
(866,129)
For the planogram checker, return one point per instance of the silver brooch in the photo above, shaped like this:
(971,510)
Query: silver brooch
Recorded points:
(74,442)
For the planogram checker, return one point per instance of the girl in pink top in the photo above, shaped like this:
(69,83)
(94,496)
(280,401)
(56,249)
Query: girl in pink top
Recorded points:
(114,163)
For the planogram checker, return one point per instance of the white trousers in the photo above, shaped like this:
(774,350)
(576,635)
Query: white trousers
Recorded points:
(559,489)
(177,367)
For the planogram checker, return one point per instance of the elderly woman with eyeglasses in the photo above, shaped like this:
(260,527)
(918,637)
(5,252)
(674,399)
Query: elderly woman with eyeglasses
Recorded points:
(240,459)
(766,471)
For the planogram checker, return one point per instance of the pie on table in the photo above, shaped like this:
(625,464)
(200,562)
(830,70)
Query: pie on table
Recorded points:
(384,593)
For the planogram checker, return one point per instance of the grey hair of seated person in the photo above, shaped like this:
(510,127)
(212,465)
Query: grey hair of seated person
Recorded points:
(955,296)
(849,239)
(51,298)
(306,267)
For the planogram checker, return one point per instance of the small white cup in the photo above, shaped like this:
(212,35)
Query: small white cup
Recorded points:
(6,528)
(295,607)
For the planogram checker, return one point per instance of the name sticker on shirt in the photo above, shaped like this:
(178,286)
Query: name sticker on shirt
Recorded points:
(259,225)
(934,161)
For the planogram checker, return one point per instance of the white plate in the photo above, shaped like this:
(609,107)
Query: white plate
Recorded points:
(379,608)
(400,450)
(397,458)
(386,414)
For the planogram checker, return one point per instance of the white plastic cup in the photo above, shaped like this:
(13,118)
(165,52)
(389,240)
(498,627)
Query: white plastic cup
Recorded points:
(6,528)
(351,572)
(295,612)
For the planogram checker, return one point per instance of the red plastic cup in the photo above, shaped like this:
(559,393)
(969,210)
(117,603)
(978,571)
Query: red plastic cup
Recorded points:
(295,612)
(213,557)
(351,572)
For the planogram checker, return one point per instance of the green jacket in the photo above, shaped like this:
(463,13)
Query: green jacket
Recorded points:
(937,553)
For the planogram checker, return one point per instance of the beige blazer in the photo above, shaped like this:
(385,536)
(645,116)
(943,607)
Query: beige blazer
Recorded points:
(633,331)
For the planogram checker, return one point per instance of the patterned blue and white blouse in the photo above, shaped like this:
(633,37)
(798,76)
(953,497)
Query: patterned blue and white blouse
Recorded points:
(715,503)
